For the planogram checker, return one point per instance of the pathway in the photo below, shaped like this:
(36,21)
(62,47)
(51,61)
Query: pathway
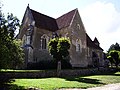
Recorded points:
(105,87)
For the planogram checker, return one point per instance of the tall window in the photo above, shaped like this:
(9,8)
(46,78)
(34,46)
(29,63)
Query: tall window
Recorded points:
(28,40)
(88,51)
(44,40)
(78,45)
(24,40)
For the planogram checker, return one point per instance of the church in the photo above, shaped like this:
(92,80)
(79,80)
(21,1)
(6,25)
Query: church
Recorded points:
(37,29)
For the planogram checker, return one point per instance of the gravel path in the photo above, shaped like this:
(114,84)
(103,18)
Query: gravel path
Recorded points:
(105,87)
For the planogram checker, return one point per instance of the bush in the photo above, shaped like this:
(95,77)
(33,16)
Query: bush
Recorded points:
(47,65)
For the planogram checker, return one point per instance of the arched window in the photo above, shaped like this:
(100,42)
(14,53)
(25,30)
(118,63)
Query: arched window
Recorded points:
(78,45)
(44,41)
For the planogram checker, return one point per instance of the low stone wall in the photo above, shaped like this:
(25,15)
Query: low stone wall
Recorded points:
(80,72)
(53,73)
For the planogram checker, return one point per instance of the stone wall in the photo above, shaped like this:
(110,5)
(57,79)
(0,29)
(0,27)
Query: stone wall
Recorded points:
(53,73)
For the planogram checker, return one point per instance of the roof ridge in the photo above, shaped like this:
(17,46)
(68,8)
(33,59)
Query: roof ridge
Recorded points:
(74,15)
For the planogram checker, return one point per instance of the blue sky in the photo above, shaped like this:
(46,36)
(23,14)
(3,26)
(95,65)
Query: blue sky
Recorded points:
(100,17)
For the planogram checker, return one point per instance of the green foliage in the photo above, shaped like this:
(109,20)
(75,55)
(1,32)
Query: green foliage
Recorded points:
(111,60)
(11,53)
(114,54)
(114,47)
(52,45)
(58,48)
(114,57)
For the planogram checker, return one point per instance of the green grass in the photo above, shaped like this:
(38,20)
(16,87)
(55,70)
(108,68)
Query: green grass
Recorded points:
(70,82)
(12,70)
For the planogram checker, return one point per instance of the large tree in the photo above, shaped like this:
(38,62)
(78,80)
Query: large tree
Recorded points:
(58,48)
(115,46)
(11,53)
(114,57)
(113,54)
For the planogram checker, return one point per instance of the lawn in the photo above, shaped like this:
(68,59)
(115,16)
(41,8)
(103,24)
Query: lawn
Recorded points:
(69,82)
(11,70)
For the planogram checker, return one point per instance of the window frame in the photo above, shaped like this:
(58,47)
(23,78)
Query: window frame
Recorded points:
(43,41)
(78,45)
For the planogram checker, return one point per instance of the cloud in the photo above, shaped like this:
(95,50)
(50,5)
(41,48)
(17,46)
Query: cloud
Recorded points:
(102,20)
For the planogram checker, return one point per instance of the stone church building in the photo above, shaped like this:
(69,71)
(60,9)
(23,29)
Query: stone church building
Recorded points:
(37,29)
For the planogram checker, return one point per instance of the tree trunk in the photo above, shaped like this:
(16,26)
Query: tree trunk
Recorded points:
(58,68)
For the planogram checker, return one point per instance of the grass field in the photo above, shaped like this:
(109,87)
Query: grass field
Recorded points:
(69,82)
(11,70)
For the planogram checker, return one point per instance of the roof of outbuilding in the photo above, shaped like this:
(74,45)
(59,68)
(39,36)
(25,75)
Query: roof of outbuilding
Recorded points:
(96,40)
(91,43)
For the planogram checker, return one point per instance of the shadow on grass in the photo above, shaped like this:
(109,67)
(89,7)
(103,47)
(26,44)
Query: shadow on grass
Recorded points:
(89,80)
(84,80)
(113,73)
(5,84)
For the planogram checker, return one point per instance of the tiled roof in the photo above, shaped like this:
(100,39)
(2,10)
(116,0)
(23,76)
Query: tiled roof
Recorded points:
(44,21)
(65,20)
(49,23)
(91,43)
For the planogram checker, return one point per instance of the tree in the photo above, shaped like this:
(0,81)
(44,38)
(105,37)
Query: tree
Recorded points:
(115,56)
(114,47)
(11,53)
(111,60)
(58,48)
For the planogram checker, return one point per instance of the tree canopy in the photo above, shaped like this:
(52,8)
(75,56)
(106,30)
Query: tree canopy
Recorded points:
(115,46)
(11,53)
(113,54)
(58,48)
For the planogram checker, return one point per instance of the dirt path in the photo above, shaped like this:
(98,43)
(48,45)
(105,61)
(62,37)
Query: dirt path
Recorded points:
(105,87)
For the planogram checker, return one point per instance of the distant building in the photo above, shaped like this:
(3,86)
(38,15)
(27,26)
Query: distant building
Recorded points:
(37,29)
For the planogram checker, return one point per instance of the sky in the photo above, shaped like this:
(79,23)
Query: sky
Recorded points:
(100,17)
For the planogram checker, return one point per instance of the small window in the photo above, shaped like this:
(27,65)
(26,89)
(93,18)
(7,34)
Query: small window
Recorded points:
(78,25)
(78,47)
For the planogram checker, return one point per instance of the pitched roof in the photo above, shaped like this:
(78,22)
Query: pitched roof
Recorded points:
(44,21)
(96,40)
(65,20)
(49,23)
(91,43)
